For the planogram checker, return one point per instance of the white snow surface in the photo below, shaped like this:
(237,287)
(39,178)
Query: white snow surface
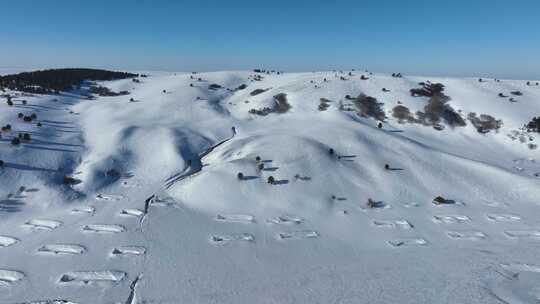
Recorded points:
(204,236)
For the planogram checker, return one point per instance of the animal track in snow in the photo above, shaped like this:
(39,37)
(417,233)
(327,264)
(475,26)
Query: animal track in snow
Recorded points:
(104,228)
(84,210)
(109,197)
(223,239)
(132,212)
(472,235)
(494,204)
(450,219)
(42,224)
(6,241)
(403,224)
(411,205)
(62,249)
(163,201)
(236,218)
(90,277)
(408,242)
(523,234)
(128,250)
(286,219)
(8,277)
(519,267)
(299,234)
(131,184)
(55,301)
(503,217)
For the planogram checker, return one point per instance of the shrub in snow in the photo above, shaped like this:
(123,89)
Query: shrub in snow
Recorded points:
(260,166)
(20,115)
(258,158)
(33,116)
(68,180)
(516,93)
(241,87)
(261,112)
(484,123)
(1,163)
(6,128)
(402,113)
(257,92)
(385,90)
(271,180)
(369,106)
(214,86)
(240,175)
(331,151)
(502,95)
(15,141)
(428,90)
(27,119)
(325,103)
(38,124)
(9,102)
(534,125)
(23,102)
(281,104)
(386,166)
(439,200)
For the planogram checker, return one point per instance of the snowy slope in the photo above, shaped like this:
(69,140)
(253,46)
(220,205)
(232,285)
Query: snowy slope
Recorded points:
(159,215)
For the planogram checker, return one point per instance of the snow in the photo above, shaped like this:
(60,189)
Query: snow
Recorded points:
(158,214)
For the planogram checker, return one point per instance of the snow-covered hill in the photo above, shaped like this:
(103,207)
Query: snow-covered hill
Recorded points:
(115,200)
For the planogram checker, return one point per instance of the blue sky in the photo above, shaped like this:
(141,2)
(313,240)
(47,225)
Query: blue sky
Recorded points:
(498,38)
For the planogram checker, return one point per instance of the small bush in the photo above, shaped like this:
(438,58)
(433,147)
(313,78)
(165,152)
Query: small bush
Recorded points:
(27,119)
(214,86)
(257,92)
(6,128)
(240,175)
(260,166)
(271,180)
(39,124)
(516,93)
(68,180)
(9,103)
(26,136)
(258,158)
(402,113)
(281,104)
(325,104)
(1,163)
(20,115)
(534,125)
(33,116)
(15,141)
(484,123)
(428,90)
(369,107)
(241,87)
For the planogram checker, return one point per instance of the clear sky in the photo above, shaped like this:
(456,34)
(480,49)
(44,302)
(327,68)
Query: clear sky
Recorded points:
(498,38)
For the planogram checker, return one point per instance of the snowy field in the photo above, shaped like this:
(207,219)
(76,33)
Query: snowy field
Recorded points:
(155,212)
